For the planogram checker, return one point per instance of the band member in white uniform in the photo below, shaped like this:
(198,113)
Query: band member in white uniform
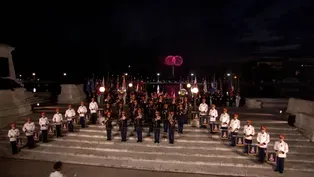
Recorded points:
(248,132)
(213,114)
(82,111)
(13,134)
(57,120)
(203,109)
(281,149)
(29,129)
(224,120)
(57,167)
(262,141)
(70,115)
(234,128)
(93,107)
(44,123)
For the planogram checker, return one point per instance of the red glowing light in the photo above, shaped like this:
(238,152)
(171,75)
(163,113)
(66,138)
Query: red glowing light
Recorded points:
(173,60)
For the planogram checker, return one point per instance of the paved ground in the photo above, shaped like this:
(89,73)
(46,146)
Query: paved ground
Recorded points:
(20,168)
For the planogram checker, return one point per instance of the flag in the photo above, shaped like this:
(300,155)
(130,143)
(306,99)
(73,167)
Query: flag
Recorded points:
(157,89)
(117,82)
(181,86)
(137,86)
(103,81)
(205,85)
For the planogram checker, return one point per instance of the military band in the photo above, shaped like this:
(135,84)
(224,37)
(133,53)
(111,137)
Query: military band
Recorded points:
(82,111)
(262,141)
(159,115)
(108,123)
(70,116)
(281,148)
(44,125)
(157,126)
(234,128)
(29,130)
(57,120)
(13,135)
(213,114)
(248,132)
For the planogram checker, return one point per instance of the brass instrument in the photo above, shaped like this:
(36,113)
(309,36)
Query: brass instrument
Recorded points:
(170,119)
(106,119)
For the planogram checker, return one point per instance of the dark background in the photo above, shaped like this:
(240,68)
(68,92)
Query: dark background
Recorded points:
(83,38)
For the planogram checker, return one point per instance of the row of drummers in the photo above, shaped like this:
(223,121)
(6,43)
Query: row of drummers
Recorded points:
(229,129)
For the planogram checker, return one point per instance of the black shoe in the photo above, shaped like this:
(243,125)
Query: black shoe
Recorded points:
(171,142)
(108,139)
(276,170)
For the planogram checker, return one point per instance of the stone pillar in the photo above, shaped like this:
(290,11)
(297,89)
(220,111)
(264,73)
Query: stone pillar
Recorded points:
(5,52)
(71,94)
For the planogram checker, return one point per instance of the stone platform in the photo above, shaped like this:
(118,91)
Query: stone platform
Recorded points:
(196,151)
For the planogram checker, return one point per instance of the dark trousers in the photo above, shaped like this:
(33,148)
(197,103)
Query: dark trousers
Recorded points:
(280,164)
(30,141)
(171,135)
(261,154)
(82,122)
(139,134)
(108,133)
(157,135)
(44,134)
(94,118)
(14,147)
(166,125)
(247,144)
(123,133)
(58,130)
(211,126)
(233,138)
(70,126)
(180,126)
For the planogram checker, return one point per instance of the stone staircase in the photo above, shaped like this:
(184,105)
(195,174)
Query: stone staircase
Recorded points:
(196,151)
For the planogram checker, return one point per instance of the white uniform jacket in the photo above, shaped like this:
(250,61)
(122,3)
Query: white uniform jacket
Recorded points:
(93,107)
(281,148)
(69,114)
(57,118)
(249,132)
(213,114)
(224,118)
(56,174)
(44,123)
(203,108)
(234,125)
(82,110)
(29,128)
(263,138)
(13,134)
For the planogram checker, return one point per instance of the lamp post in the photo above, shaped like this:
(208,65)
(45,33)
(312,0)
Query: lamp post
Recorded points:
(195,91)
(102,91)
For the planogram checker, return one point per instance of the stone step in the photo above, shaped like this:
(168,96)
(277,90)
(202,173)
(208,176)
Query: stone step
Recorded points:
(193,132)
(208,165)
(187,135)
(221,151)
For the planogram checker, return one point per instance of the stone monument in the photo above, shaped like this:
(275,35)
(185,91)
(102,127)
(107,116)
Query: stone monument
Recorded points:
(13,102)
(71,94)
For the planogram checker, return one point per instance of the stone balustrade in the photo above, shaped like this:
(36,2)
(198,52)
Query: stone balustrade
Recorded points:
(304,112)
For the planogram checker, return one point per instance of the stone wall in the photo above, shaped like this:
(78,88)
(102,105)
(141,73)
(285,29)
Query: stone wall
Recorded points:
(13,105)
(266,103)
(304,112)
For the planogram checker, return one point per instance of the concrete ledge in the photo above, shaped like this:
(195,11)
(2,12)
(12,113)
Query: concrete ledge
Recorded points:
(300,106)
(266,102)
(305,123)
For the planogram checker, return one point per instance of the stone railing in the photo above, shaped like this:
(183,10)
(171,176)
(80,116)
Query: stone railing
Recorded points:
(304,112)
(266,103)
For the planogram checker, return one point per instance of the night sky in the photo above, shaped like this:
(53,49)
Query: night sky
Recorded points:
(50,38)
